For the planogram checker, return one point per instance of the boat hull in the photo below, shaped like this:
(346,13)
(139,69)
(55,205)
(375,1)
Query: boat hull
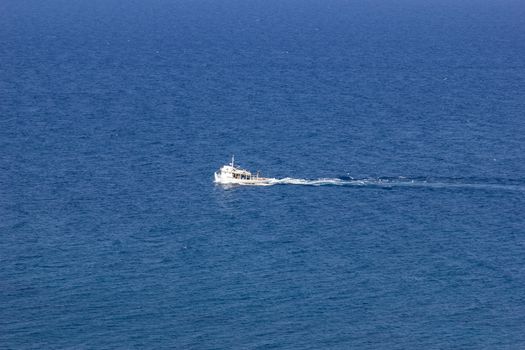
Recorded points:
(226,180)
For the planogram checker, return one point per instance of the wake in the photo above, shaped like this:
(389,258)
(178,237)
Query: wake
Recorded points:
(445,183)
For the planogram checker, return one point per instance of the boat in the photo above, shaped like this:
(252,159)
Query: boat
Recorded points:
(234,175)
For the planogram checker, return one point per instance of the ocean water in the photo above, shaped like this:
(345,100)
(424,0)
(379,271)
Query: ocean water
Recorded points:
(396,128)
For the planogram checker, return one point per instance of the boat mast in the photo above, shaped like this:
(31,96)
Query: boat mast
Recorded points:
(233,157)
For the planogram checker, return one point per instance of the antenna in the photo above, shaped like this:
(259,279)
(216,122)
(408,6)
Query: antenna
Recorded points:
(233,157)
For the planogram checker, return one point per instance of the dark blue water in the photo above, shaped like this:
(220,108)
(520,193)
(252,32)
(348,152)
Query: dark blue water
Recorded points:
(115,114)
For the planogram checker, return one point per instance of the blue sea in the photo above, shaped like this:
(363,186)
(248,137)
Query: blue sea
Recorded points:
(400,126)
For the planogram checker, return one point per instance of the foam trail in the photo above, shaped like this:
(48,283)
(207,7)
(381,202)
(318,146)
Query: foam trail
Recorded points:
(398,182)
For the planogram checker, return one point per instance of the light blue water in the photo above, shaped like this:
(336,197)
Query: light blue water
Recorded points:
(400,125)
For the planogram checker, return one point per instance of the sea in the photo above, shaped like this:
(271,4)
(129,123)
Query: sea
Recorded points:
(396,130)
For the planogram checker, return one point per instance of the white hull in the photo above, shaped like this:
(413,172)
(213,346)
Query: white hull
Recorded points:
(225,180)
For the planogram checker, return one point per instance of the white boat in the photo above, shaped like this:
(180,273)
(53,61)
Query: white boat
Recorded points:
(231,174)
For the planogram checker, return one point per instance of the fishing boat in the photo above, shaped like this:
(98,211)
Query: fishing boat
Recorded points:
(231,174)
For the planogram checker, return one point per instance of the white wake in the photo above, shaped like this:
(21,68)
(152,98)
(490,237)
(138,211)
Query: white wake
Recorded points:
(397,182)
